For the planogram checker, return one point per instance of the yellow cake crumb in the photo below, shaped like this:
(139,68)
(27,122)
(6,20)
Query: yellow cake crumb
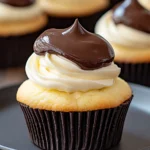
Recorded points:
(16,28)
(38,97)
(129,55)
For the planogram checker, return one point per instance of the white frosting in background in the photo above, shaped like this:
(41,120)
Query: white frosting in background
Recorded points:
(57,72)
(121,34)
(145,3)
(11,13)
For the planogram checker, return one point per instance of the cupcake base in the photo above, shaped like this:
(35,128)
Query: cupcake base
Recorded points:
(93,130)
(15,50)
(136,73)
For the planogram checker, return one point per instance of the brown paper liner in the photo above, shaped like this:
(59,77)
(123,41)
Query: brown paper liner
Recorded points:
(136,73)
(93,130)
(15,50)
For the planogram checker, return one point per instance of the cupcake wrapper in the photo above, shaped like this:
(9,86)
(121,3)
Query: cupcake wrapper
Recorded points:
(136,73)
(15,50)
(93,130)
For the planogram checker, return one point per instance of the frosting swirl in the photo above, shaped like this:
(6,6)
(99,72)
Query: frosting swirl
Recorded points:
(87,50)
(57,72)
(18,3)
(131,13)
(11,13)
(56,67)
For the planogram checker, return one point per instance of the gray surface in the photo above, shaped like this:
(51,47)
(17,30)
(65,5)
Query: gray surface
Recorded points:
(136,136)
(11,76)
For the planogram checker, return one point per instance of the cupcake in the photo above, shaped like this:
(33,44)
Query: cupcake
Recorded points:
(21,21)
(73,98)
(63,13)
(127,28)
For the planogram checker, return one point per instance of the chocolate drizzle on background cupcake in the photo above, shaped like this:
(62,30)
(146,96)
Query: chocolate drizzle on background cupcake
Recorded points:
(18,3)
(132,14)
(89,51)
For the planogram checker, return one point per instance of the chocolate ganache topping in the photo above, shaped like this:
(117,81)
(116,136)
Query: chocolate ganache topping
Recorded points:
(87,50)
(18,3)
(132,14)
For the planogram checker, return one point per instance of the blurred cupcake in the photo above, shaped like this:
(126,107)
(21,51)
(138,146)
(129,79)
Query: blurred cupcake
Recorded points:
(20,23)
(73,99)
(62,13)
(127,28)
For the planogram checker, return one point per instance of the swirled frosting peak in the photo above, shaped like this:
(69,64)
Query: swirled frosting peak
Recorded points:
(72,60)
(132,13)
(87,50)
(18,3)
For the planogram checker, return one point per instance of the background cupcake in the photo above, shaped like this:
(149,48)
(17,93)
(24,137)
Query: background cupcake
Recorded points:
(63,13)
(73,98)
(129,34)
(20,23)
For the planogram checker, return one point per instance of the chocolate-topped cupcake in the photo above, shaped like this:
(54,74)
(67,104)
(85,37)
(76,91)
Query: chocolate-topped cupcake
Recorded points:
(73,99)
(127,27)
(20,24)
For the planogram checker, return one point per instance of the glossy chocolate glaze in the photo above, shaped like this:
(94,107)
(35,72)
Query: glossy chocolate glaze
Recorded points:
(87,50)
(18,3)
(132,14)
